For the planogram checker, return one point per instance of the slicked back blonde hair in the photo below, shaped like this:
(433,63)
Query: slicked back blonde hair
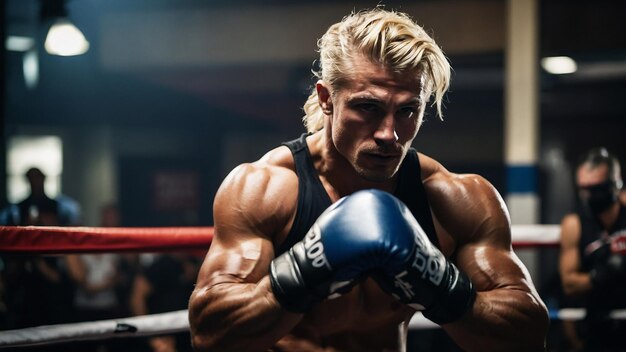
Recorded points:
(390,38)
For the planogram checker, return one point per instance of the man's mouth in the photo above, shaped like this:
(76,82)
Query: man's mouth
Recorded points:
(383,156)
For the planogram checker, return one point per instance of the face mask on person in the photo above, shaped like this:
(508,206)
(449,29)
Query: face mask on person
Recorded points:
(598,198)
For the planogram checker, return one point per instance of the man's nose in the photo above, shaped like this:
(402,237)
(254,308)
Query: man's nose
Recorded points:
(386,132)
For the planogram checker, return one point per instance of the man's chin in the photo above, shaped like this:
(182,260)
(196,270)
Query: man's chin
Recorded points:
(376,176)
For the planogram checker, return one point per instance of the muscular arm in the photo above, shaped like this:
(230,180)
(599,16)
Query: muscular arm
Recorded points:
(574,282)
(232,307)
(508,314)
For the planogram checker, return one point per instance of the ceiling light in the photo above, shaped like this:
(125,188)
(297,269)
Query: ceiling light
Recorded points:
(64,39)
(18,43)
(559,65)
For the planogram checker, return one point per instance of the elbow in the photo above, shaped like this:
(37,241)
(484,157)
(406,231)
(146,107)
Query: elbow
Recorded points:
(568,290)
(200,338)
(203,341)
(208,341)
(544,322)
(539,314)
(539,323)
(199,342)
(206,334)
(530,333)
(572,289)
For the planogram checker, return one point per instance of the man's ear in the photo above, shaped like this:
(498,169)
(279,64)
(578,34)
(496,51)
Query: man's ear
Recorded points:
(323,96)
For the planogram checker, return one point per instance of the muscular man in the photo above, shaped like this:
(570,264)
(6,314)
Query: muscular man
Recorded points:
(593,249)
(397,232)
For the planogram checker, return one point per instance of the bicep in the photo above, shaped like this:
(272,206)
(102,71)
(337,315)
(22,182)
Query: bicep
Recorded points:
(490,267)
(489,259)
(475,214)
(569,261)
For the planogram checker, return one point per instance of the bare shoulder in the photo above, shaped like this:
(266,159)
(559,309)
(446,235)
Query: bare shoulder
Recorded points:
(251,208)
(570,230)
(467,205)
(258,197)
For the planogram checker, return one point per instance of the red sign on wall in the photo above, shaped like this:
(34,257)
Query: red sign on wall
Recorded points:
(175,190)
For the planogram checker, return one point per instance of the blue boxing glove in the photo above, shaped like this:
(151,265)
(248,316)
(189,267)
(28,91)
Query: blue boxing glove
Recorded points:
(369,231)
(340,249)
(422,277)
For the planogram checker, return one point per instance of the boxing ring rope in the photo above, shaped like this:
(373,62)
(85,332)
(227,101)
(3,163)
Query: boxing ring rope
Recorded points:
(139,326)
(65,240)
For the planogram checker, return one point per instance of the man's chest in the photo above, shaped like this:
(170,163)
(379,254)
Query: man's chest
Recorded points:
(365,308)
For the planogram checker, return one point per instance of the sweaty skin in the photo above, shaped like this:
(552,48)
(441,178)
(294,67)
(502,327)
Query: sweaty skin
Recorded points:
(370,124)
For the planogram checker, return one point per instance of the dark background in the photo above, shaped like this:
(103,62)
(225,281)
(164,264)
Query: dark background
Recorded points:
(174,93)
(148,108)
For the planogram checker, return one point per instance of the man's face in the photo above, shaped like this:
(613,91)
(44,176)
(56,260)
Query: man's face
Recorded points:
(595,190)
(589,176)
(374,118)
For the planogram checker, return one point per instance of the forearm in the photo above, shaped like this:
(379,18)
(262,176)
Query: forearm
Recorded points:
(575,284)
(502,320)
(238,317)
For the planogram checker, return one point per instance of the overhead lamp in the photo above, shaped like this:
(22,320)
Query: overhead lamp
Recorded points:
(63,38)
(559,65)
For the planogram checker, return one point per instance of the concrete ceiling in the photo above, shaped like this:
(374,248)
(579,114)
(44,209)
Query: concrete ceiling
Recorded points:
(254,60)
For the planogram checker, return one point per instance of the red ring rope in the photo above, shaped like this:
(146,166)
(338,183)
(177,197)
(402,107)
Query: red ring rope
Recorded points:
(60,240)
(57,240)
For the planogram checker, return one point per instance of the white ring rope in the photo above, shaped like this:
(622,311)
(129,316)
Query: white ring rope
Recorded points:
(177,321)
(536,235)
(145,325)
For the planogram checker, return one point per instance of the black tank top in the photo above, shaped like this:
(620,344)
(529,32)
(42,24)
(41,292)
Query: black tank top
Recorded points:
(313,199)
(592,250)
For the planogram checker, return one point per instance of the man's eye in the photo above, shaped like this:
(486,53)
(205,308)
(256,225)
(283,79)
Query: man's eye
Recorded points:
(369,108)
(407,112)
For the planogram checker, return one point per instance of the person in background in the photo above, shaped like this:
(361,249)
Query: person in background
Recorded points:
(97,276)
(25,278)
(128,263)
(593,252)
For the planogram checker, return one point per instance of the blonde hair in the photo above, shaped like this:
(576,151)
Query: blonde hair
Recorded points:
(387,37)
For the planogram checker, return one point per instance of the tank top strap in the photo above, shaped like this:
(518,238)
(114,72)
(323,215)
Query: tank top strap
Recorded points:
(410,190)
(312,196)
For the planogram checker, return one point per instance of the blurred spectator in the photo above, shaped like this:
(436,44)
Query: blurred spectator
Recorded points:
(38,209)
(165,286)
(128,264)
(97,278)
(593,253)
(24,277)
